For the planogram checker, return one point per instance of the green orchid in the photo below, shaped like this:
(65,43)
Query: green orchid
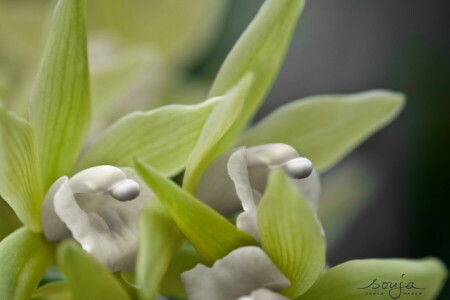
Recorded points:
(112,206)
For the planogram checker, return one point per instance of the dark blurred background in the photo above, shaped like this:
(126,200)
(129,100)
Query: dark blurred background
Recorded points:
(354,45)
(349,46)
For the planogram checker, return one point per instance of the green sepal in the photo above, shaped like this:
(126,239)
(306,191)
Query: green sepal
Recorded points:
(209,232)
(290,233)
(24,258)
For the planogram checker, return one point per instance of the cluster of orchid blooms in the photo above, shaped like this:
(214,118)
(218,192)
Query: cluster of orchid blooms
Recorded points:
(246,205)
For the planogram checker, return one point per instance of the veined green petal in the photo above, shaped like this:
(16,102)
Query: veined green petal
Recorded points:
(325,128)
(163,137)
(290,233)
(20,183)
(24,258)
(57,290)
(394,278)
(60,104)
(160,238)
(208,231)
(211,142)
(87,278)
(185,258)
(261,50)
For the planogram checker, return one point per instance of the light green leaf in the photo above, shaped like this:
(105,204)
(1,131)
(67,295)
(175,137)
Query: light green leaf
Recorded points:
(20,183)
(211,142)
(260,50)
(87,278)
(24,258)
(290,233)
(160,238)
(208,231)
(354,279)
(185,258)
(325,128)
(52,291)
(163,137)
(60,101)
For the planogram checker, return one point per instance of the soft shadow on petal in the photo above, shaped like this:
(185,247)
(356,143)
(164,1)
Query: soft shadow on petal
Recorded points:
(217,189)
(241,272)
(263,294)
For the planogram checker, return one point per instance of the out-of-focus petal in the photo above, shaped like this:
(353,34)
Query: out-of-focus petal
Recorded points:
(241,272)
(264,294)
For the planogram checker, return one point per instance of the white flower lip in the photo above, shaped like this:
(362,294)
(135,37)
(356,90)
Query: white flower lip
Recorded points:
(99,207)
(236,180)
(243,272)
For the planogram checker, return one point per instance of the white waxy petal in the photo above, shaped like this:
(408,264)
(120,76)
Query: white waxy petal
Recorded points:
(105,227)
(241,272)
(235,181)
(264,294)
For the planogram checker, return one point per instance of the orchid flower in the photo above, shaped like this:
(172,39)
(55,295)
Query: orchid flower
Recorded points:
(236,180)
(97,196)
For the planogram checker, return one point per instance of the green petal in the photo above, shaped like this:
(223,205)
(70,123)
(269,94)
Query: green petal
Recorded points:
(20,183)
(211,142)
(60,101)
(290,233)
(87,278)
(52,291)
(325,128)
(160,237)
(163,137)
(354,279)
(24,258)
(185,258)
(210,233)
(260,50)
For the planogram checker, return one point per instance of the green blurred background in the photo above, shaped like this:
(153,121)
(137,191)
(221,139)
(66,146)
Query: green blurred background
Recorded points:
(145,54)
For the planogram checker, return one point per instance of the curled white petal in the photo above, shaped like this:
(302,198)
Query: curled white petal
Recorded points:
(241,272)
(236,180)
(83,207)
(264,294)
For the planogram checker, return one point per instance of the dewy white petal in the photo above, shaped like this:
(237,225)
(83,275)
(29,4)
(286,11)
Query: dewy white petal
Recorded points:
(264,294)
(241,272)
(84,208)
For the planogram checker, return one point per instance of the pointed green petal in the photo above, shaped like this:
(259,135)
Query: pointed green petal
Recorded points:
(211,142)
(325,128)
(24,258)
(290,233)
(163,137)
(354,279)
(260,50)
(52,291)
(210,233)
(60,101)
(185,258)
(87,278)
(160,237)
(20,183)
